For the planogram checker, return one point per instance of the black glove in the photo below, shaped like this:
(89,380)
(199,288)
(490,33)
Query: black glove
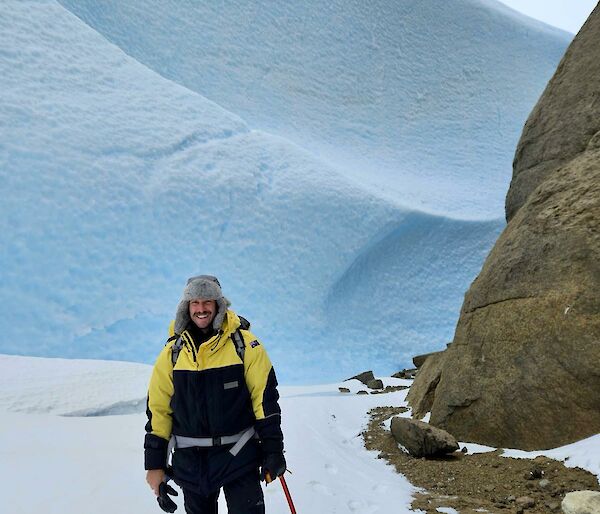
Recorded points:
(165,502)
(274,464)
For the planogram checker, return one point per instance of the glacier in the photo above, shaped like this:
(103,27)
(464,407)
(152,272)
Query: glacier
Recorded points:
(346,231)
(397,95)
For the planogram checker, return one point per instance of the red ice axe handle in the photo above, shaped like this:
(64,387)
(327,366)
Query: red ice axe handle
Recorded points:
(288,496)
(286,491)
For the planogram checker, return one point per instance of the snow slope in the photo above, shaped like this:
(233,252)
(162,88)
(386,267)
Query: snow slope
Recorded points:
(117,184)
(93,463)
(420,102)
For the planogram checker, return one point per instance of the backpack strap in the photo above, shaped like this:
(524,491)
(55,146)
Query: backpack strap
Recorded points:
(238,341)
(176,348)
(244,323)
(238,338)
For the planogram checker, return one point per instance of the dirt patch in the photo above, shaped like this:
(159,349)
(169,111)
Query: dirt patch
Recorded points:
(484,482)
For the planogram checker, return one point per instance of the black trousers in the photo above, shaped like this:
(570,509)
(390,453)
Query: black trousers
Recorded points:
(243,495)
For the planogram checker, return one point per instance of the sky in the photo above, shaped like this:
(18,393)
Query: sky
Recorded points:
(568,15)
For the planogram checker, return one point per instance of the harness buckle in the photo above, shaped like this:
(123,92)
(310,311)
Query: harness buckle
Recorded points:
(216,441)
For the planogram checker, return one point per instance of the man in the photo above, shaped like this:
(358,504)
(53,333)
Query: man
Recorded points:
(213,398)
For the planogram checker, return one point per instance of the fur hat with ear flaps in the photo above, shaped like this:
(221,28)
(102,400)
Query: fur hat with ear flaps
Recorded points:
(208,288)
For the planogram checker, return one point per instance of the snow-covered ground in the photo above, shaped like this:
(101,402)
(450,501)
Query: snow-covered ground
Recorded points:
(94,464)
(57,462)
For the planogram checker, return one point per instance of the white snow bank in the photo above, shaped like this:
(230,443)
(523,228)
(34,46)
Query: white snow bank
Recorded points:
(583,454)
(476,448)
(72,387)
(62,465)
(447,510)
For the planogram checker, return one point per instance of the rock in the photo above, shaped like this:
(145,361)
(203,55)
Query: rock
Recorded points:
(544,483)
(525,502)
(419,360)
(389,389)
(534,474)
(422,392)
(552,506)
(344,389)
(405,373)
(421,439)
(363,377)
(525,353)
(563,122)
(362,391)
(581,502)
(375,384)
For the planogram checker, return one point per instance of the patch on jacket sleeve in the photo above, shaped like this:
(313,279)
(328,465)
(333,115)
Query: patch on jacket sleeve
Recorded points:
(254,344)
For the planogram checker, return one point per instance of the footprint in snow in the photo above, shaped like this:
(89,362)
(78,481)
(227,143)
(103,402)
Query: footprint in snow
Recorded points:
(331,468)
(380,488)
(320,488)
(362,507)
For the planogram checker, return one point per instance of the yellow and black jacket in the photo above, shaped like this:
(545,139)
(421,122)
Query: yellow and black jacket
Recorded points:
(212,392)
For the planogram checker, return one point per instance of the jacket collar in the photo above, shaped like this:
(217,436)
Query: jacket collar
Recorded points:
(231,323)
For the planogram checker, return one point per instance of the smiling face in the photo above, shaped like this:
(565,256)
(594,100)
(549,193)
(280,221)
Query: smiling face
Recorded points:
(202,312)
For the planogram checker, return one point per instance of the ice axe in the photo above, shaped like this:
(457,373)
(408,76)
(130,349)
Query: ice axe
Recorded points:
(286,491)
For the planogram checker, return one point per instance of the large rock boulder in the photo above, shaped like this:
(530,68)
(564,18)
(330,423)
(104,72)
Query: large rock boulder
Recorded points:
(365,377)
(422,392)
(581,502)
(564,120)
(524,368)
(421,439)
(419,360)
